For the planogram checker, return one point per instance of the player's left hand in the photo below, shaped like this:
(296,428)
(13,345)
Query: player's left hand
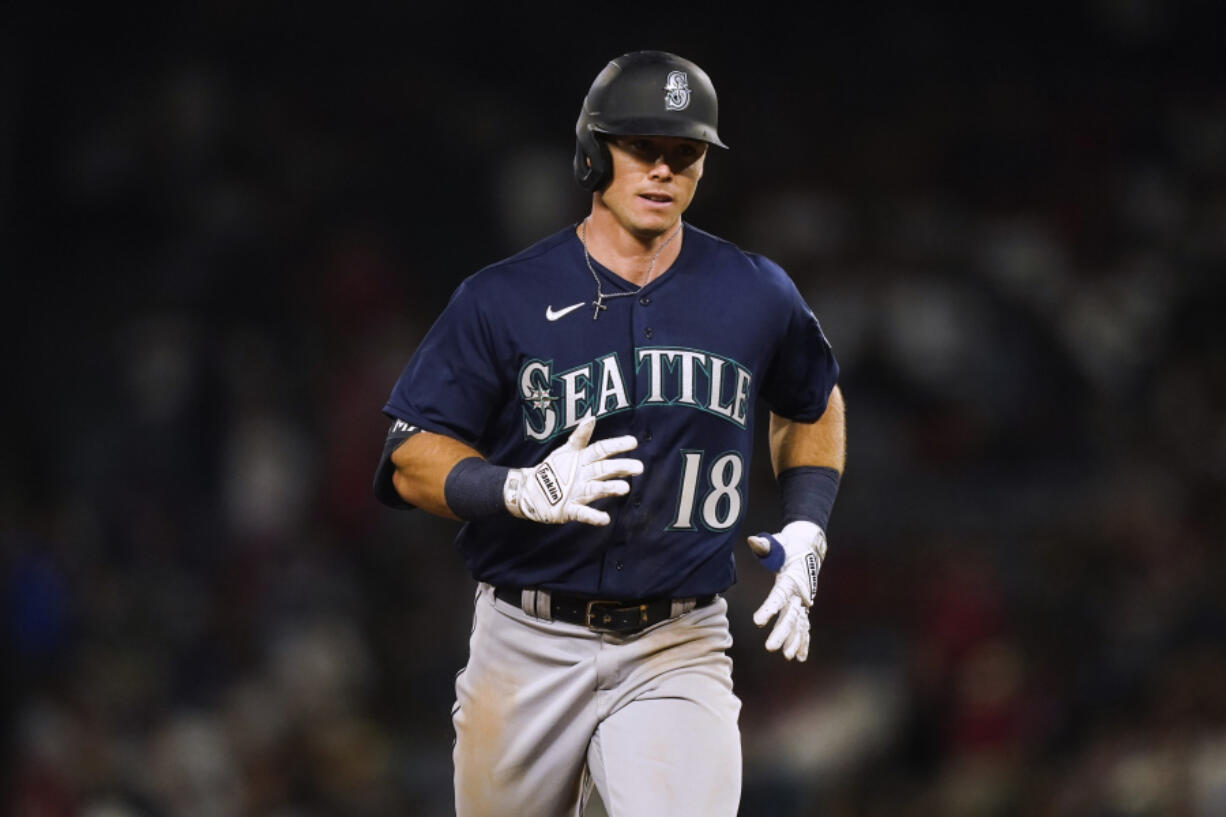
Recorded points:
(795,554)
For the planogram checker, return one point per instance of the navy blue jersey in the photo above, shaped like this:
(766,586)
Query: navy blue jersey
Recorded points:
(516,360)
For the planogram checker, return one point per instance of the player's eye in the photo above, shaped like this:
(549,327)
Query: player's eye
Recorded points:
(686,154)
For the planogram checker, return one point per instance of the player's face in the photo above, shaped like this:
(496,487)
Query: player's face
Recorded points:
(653,181)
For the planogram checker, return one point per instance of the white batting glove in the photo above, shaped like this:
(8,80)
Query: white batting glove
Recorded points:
(559,489)
(795,554)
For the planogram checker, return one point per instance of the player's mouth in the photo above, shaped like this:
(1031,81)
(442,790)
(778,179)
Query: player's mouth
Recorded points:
(657,198)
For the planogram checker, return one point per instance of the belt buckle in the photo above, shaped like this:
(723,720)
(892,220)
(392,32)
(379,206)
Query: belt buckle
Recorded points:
(601,621)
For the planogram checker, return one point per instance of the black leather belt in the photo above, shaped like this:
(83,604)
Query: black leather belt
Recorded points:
(621,616)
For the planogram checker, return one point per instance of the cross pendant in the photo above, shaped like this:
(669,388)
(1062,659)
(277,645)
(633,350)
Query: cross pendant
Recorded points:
(599,304)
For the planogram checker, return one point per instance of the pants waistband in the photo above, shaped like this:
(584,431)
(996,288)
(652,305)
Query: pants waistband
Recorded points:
(621,616)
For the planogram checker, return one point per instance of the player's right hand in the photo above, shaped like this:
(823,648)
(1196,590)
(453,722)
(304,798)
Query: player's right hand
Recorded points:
(575,474)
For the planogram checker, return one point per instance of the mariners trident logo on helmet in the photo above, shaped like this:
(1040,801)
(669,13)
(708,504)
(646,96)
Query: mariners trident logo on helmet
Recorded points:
(677,86)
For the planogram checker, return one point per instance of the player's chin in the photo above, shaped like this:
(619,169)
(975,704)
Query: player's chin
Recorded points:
(656,218)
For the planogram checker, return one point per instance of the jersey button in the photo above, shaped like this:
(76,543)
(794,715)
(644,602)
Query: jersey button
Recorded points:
(618,565)
(647,332)
(648,436)
(645,300)
(637,502)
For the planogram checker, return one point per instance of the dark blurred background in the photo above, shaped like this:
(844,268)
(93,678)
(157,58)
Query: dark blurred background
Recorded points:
(224,228)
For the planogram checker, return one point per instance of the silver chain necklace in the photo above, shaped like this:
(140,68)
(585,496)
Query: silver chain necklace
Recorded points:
(601,295)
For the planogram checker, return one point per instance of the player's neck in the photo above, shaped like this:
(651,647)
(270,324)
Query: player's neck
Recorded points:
(628,254)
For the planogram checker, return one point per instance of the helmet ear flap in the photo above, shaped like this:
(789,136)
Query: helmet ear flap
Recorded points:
(593,164)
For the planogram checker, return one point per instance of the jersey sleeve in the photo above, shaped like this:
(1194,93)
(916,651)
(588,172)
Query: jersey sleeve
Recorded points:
(803,371)
(451,383)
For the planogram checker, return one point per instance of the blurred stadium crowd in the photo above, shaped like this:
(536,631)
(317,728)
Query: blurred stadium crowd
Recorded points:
(222,250)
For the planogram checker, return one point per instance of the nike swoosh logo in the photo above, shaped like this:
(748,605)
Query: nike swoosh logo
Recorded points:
(550,315)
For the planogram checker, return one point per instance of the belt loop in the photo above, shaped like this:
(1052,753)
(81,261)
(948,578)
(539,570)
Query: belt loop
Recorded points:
(535,602)
(543,605)
(682,606)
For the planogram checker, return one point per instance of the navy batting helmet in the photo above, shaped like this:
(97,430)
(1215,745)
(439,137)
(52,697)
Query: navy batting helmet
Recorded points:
(644,93)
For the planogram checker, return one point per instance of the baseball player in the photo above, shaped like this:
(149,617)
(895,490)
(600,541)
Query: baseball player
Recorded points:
(587,408)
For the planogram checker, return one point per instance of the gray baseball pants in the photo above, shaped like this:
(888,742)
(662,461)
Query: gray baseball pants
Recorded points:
(546,709)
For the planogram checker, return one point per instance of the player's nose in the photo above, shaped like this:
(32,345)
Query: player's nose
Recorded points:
(661,169)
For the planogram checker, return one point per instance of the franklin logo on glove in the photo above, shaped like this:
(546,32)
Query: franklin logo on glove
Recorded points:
(549,484)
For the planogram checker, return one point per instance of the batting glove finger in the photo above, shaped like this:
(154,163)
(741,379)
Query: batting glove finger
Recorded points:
(586,515)
(760,545)
(603,469)
(607,448)
(775,601)
(791,632)
(593,491)
(785,626)
(582,435)
(802,652)
(797,641)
